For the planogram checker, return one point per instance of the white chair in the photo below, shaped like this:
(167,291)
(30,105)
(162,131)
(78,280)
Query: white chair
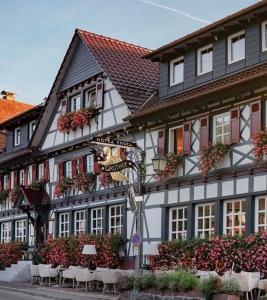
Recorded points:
(35,273)
(206,274)
(69,274)
(110,277)
(245,282)
(84,276)
(46,271)
(98,272)
(262,286)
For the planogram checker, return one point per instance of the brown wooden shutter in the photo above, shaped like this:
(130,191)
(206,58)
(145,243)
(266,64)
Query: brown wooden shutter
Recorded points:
(161,142)
(204,133)
(81,165)
(74,168)
(96,166)
(60,170)
(15,178)
(46,170)
(99,95)
(26,176)
(255,118)
(34,173)
(64,103)
(235,125)
(8,182)
(187,138)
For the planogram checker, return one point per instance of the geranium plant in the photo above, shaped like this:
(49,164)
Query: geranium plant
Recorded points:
(73,120)
(173,161)
(105,179)
(63,186)
(37,185)
(13,194)
(84,181)
(260,145)
(3,195)
(211,156)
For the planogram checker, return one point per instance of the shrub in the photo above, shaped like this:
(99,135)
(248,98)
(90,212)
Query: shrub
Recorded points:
(230,287)
(126,283)
(10,253)
(162,282)
(148,281)
(188,281)
(174,281)
(138,282)
(208,286)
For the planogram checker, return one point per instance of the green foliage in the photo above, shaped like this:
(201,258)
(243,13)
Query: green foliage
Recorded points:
(148,281)
(138,282)
(230,287)
(188,281)
(126,283)
(208,286)
(162,282)
(36,258)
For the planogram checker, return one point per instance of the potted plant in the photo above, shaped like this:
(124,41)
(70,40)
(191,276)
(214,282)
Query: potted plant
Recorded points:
(63,186)
(229,290)
(260,145)
(84,182)
(173,161)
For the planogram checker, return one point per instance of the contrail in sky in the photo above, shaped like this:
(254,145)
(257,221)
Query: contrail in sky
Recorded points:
(175,11)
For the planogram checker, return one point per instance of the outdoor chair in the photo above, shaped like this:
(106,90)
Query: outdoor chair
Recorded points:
(35,273)
(84,276)
(98,272)
(110,277)
(262,286)
(246,283)
(46,271)
(205,274)
(70,275)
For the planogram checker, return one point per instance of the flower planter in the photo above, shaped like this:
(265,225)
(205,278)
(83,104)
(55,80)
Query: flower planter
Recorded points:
(225,297)
(173,162)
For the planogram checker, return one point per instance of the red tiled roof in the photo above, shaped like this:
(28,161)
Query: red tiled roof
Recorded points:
(33,197)
(135,78)
(10,108)
(155,103)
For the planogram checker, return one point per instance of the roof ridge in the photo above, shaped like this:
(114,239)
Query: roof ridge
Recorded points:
(112,39)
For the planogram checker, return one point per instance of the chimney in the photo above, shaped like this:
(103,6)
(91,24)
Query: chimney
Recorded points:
(8,95)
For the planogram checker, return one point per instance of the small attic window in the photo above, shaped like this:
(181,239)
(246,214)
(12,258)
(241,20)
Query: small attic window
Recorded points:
(176,70)
(17,136)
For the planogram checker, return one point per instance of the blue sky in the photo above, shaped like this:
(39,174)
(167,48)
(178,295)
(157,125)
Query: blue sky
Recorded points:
(35,34)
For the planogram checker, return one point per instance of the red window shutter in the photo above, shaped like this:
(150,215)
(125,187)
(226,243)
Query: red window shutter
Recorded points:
(161,142)
(96,168)
(187,138)
(81,165)
(99,95)
(255,118)
(60,170)
(8,183)
(26,175)
(204,133)
(34,175)
(74,168)
(64,106)
(15,178)
(46,170)
(235,125)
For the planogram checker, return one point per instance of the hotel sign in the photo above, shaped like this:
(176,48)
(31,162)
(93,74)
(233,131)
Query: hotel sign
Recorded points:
(108,141)
(118,166)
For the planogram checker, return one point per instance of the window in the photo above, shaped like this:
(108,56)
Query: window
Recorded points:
(234,217)
(178,223)
(176,140)
(97,221)
(68,171)
(32,126)
(5,183)
(20,230)
(74,103)
(6,232)
(176,71)
(115,219)
(264,35)
(90,97)
(90,163)
(79,226)
(221,127)
(261,214)
(21,177)
(204,59)
(41,171)
(17,136)
(205,220)
(64,224)
(236,47)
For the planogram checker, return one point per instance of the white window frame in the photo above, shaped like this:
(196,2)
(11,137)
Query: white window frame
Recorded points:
(17,136)
(97,220)
(68,170)
(5,182)
(90,163)
(229,46)
(88,98)
(21,177)
(263,36)
(202,231)
(116,228)
(172,63)
(184,220)
(171,145)
(257,212)
(240,214)
(79,223)
(199,59)
(223,133)
(32,126)
(6,232)
(41,171)
(64,221)
(75,103)
(20,230)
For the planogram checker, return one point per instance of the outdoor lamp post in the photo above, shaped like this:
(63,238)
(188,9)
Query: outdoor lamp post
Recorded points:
(159,162)
(89,250)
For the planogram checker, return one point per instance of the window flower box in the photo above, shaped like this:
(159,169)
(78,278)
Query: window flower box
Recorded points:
(105,179)
(259,142)
(173,161)
(63,187)
(84,182)
(3,195)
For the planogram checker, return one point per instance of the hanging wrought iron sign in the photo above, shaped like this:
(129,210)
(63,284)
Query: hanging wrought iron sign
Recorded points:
(118,166)
(109,141)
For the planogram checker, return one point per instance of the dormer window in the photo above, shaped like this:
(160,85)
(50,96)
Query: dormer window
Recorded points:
(90,97)
(204,59)
(264,35)
(74,103)
(176,70)
(17,136)
(32,126)
(236,47)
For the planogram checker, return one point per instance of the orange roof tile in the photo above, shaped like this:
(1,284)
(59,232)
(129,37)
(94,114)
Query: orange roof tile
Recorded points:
(11,108)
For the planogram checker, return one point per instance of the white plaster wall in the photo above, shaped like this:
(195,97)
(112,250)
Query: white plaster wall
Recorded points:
(153,217)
